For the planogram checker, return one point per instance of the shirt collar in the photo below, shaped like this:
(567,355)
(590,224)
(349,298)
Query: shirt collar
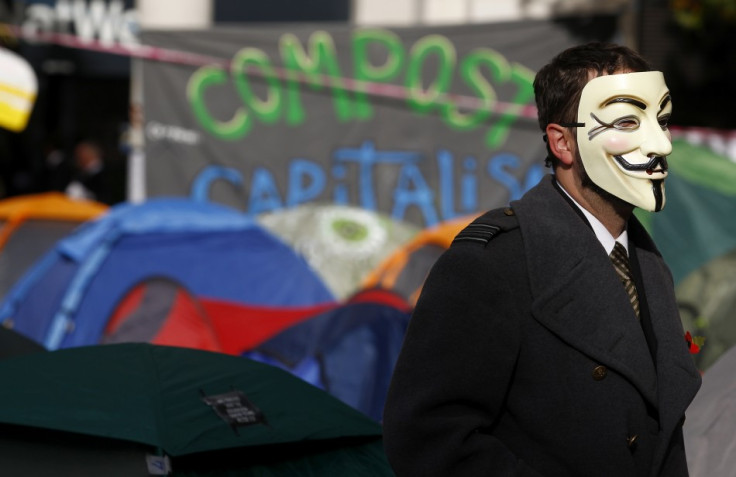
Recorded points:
(601,232)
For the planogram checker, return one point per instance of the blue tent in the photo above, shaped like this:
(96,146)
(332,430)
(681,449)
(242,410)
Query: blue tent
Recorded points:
(349,351)
(215,253)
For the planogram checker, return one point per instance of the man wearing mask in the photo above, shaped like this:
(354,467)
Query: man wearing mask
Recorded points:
(547,340)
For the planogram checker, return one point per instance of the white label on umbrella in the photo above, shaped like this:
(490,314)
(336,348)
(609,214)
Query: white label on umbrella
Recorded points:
(158,465)
(235,409)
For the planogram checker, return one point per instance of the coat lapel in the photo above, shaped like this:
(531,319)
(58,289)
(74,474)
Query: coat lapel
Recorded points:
(677,374)
(576,293)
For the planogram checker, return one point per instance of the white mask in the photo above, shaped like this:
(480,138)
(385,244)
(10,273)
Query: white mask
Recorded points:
(624,141)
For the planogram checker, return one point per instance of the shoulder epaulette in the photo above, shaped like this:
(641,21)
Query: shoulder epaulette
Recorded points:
(488,225)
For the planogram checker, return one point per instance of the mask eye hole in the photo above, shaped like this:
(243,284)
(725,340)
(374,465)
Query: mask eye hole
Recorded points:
(663,121)
(627,123)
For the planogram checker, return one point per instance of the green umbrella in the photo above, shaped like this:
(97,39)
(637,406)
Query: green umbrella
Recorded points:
(186,403)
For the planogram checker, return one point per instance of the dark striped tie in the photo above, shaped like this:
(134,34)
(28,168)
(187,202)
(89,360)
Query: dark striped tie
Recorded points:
(620,261)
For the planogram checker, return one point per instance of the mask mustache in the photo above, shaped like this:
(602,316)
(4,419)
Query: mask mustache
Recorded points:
(649,166)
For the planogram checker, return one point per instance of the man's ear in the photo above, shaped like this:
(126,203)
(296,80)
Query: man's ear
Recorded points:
(561,143)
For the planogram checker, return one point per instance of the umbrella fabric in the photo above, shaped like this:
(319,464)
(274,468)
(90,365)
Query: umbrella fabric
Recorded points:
(180,400)
(33,452)
(15,344)
(345,458)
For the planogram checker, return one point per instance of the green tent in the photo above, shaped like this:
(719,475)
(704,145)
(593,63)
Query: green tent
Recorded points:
(140,409)
(697,223)
(696,233)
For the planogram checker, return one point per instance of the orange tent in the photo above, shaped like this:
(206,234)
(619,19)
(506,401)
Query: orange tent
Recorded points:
(404,271)
(31,224)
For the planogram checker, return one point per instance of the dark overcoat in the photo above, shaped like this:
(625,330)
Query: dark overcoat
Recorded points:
(524,356)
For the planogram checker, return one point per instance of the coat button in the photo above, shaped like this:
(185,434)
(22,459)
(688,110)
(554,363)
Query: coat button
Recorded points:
(631,441)
(509,211)
(599,372)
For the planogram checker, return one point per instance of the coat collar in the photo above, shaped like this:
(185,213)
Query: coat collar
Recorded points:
(577,295)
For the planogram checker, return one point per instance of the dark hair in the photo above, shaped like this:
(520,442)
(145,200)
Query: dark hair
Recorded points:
(558,85)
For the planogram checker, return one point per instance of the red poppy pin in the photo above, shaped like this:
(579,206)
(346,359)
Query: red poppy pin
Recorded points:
(694,343)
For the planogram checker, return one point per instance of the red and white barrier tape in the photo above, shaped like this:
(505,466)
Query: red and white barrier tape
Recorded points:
(166,55)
